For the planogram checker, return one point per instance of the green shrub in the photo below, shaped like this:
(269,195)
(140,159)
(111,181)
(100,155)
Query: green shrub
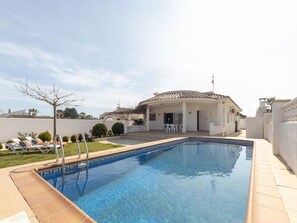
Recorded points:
(118,128)
(99,130)
(22,138)
(73,138)
(88,138)
(45,136)
(109,133)
(65,139)
(8,142)
(1,146)
(80,138)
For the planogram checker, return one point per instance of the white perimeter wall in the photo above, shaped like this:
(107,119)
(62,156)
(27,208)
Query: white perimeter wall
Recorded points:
(9,127)
(288,144)
(242,123)
(254,127)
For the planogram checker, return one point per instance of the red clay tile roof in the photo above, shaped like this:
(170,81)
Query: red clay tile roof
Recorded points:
(184,94)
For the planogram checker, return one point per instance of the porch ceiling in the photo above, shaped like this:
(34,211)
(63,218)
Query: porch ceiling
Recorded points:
(163,104)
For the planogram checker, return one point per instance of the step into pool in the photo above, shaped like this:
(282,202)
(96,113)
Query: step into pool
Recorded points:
(188,181)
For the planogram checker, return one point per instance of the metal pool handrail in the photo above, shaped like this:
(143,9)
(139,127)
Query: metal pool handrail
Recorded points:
(86,147)
(62,151)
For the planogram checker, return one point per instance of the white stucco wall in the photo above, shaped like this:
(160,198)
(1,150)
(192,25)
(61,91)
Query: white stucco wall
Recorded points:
(288,144)
(267,122)
(242,123)
(269,133)
(254,127)
(9,127)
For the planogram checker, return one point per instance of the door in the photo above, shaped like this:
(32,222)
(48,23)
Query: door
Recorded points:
(168,118)
(198,121)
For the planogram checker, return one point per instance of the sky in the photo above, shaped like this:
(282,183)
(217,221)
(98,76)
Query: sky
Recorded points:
(109,51)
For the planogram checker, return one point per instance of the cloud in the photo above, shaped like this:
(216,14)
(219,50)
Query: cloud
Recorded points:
(101,88)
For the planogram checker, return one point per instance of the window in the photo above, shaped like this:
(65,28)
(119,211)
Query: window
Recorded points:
(152,116)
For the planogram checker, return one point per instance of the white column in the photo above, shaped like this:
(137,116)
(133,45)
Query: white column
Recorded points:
(220,114)
(147,118)
(184,117)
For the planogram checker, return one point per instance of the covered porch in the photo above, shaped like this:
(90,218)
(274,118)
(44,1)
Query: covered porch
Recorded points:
(194,111)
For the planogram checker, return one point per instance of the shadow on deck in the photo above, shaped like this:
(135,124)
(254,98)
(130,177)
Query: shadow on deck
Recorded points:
(158,135)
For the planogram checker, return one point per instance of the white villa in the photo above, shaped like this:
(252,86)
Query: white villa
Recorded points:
(185,110)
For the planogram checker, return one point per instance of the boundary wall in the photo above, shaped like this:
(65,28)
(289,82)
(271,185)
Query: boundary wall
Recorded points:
(10,127)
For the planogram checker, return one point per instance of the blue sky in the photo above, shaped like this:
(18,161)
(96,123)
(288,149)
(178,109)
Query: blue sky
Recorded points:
(110,51)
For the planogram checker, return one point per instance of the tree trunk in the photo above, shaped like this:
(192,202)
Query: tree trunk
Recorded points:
(55,125)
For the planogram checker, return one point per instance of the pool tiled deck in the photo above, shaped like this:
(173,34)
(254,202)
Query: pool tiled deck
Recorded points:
(272,198)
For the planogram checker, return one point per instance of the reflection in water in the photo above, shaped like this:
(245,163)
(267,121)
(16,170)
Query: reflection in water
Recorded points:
(248,153)
(186,160)
(196,159)
(74,181)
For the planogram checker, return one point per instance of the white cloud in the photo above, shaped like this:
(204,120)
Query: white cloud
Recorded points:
(100,87)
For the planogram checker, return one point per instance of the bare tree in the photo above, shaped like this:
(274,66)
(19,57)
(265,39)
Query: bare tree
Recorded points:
(51,96)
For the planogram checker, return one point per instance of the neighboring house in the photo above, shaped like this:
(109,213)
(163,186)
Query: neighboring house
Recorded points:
(192,111)
(17,114)
(121,114)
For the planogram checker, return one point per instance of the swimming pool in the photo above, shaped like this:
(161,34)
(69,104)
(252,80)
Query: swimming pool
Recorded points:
(189,181)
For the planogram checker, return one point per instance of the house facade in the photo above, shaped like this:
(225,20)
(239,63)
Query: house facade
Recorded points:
(185,110)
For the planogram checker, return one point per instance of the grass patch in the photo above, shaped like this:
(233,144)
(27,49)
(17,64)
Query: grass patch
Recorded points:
(8,158)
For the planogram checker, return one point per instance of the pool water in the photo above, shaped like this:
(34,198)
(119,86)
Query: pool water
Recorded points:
(190,182)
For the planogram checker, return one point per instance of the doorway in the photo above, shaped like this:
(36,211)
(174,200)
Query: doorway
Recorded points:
(168,118)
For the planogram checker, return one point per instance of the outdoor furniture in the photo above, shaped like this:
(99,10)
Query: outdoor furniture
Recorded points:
(173,128)
(46,147)
(20,145)
(13,147)
(166,128)
(17,218)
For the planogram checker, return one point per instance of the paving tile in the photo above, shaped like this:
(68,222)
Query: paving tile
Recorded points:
(266,182)
(262,214)
(71,214)
(32,190)
(267,175)
(288,192)
(292,216)
(38,199)
(290,203)
(286,183)
(50,207)
(284,174)
(26,181)
(269,202)
(271,191)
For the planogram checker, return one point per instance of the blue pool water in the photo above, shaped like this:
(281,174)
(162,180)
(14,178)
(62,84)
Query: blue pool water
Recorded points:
(190,182)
